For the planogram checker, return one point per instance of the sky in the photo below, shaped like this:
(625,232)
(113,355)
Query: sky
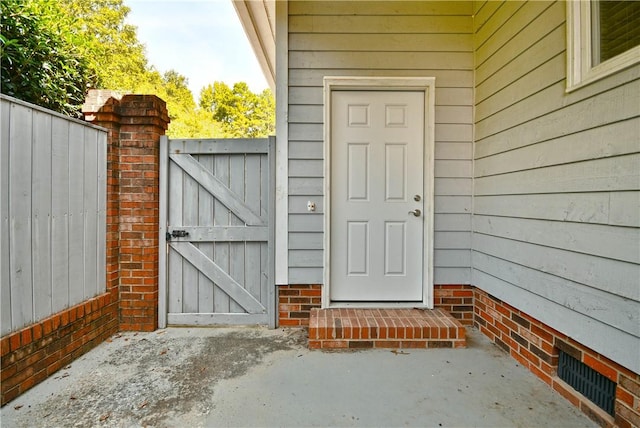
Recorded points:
(201,39)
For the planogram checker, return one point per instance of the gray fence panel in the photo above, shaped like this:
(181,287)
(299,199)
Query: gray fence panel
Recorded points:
(53,213)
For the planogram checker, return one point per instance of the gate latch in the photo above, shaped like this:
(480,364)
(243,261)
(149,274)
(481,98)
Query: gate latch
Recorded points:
(177,234)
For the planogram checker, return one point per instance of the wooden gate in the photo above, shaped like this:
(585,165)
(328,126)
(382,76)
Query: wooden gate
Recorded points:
(216,216)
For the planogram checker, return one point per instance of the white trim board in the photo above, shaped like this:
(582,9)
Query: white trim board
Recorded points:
(580,40)
(425,84)
(282,146)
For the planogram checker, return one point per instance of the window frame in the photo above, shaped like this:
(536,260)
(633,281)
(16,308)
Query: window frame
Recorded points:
(580,68)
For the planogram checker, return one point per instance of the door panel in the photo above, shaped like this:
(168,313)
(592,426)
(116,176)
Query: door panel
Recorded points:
(377,157)
(395,262)
(395,167)
(358,179)
(358,248)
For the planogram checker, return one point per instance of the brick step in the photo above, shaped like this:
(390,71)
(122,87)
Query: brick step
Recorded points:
(340,328)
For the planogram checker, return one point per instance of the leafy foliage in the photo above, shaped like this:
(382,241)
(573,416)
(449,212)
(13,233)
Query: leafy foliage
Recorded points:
(187,121)
(53,50)
(116,58)
(241,112)
(42,59)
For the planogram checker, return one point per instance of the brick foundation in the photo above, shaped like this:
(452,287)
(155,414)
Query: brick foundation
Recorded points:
(457,299)
(36,352)
(295,303)
(536,346)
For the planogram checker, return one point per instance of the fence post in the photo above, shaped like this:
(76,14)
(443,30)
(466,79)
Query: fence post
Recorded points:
(100,109)
(135,124)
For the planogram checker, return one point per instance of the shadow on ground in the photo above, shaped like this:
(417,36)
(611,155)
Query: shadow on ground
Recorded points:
(258,377)
(147,379)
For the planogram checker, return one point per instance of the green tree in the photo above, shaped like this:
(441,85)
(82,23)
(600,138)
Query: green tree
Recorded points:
(241,112)
(53,50)
(187,121)
(116,57)
(42,60)
(196,123)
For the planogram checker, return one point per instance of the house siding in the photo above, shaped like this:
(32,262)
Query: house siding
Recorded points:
(556,221)
(399,39)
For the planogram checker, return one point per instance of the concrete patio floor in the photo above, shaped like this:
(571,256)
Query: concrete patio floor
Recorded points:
(186,377)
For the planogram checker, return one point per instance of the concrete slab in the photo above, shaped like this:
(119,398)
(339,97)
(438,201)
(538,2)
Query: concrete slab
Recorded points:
(259,377)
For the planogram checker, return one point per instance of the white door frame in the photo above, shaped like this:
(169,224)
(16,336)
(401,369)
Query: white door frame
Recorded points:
(423,84)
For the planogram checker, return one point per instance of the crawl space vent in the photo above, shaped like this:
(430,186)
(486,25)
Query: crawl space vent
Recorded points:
(597,388)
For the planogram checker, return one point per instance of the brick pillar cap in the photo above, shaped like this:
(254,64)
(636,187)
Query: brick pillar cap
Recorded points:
(99,98)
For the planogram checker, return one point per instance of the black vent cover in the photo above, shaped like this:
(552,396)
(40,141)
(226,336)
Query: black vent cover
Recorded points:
(588,382)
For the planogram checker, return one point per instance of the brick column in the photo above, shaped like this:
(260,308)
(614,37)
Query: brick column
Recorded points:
(136,122)
(100,109)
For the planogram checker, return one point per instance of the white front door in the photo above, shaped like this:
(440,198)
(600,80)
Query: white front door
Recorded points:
(377,196)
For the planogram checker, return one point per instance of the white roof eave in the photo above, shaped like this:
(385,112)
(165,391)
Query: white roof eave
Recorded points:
(258,20)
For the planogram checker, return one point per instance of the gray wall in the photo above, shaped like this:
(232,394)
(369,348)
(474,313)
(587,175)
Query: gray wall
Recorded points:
(392,39)
(557,178)
(52,213)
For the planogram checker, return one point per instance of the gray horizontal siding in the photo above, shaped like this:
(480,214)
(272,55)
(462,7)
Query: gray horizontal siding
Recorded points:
(557,180)
(363,24)
(299,78)
(405,7)
(392,39)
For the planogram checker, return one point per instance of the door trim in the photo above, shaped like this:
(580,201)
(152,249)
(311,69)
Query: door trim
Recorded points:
(421,84)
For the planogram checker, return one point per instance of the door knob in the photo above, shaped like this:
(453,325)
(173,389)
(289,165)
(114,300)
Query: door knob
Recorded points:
(416,212)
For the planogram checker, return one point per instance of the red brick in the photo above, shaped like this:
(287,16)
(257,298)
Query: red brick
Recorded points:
(315,344)
(10,394)
(522,360)
(64,318)
(624,396)
(414,343)
(541,333)
(386,344)
(335,344)
(356,344)
(25,336)
(631,385)
(628,414)
(487,333)
(289,322)
(365,332)
(549,369)
(542,375)
(439,344)
(533,359)
(311,293)
(601,368)
(566,391)
(36,331)
(5,346)
(56,321)
(14,339)
(504,311)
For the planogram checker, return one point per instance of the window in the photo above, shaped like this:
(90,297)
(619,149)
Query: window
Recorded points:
(603,37)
